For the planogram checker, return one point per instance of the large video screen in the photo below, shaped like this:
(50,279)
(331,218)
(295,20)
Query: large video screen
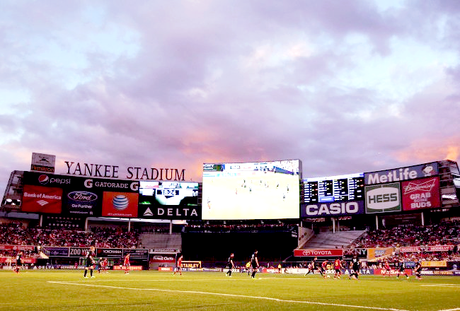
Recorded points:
(255,190)
(334,188)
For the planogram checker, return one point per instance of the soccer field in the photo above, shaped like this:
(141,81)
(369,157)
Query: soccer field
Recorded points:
(152,290)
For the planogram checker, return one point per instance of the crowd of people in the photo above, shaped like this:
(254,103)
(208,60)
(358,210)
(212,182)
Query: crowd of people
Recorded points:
(444,233)
(420,238)
(17,234)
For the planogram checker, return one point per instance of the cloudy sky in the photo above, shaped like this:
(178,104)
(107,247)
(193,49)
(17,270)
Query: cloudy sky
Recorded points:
(345,86)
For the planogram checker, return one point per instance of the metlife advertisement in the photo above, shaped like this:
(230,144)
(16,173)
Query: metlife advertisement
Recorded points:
(401,174)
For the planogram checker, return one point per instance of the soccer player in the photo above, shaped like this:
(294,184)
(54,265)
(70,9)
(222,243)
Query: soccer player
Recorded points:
(230,265)
(18,262)
(355,265)
(418,270)
(89,264)
(338,268)
(254,263)
(126,263)
(400,266)
(311,266)
(386,269)
(103,265)
(179,265)
(324,268)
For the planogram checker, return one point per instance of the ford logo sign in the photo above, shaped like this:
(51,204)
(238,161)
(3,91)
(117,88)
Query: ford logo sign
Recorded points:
(82,196)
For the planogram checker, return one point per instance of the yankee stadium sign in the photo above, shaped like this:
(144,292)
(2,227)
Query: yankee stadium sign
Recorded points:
(131,172)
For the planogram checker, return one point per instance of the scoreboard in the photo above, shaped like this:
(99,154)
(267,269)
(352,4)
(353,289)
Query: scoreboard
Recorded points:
(334,188)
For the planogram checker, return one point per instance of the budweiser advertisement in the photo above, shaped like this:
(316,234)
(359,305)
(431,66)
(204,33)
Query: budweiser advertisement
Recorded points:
(421,193)
(318,253)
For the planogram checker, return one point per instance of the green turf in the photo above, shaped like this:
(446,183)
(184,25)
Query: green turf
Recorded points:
(152,290)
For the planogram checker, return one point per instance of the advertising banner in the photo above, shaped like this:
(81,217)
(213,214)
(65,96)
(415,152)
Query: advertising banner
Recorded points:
(63,222)
(138,254)
(429,248)
(421,193)
(318,253)
(165,258)
(169,200)
(46,180)
(384,198)
(332,209)
(374,253)
(109,252)
(169,212)
(119,204)
(401,174)
(56,251)
(191,264)
(43,162)
(434,264)
(85,196)
(78,251)
(40,199)
(6,247)
(82,202)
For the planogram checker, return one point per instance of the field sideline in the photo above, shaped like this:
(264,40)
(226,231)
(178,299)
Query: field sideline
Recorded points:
(152,290)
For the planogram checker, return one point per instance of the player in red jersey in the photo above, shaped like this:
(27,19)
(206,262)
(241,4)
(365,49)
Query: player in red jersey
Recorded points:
(126,263)
(338,268)
(103,265)
(179,265)
(324,265)
(386,269)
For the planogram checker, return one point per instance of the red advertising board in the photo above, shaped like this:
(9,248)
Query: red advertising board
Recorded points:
(318,253)
(39,199)
(120,204)
(7,247)
(430,248)
(420,194)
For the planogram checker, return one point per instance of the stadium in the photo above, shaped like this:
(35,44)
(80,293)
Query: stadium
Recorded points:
(399,226)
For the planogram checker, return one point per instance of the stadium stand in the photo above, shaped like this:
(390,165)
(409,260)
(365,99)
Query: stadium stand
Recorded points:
(161,240)
(339,239)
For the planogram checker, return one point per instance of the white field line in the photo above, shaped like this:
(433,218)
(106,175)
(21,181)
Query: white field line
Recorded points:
(229,295)
(456,309)
(441,285)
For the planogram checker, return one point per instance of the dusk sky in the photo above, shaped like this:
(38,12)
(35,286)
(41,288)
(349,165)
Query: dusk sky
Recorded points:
(345,86)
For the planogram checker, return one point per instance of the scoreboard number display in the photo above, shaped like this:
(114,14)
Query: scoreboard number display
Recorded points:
(340,188)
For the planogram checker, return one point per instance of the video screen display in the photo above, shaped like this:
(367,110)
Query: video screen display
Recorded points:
(255,190)
(340,188)
(170,193)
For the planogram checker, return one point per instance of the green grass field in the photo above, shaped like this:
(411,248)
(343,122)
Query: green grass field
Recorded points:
(152,290)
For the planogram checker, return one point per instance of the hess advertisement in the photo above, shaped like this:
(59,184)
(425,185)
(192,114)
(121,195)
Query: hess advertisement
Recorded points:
(384,198)
(421,193)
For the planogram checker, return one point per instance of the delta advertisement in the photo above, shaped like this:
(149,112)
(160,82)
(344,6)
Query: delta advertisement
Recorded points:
(169,200)
(420,194)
